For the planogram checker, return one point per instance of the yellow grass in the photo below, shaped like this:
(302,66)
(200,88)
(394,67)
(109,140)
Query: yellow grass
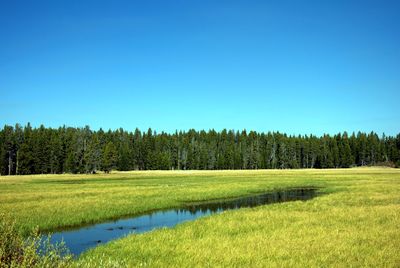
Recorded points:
(356,222)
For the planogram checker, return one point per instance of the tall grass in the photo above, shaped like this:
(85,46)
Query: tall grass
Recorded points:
(17,251)
(356,223)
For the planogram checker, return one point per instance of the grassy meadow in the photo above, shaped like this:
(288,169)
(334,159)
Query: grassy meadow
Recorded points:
(354,223)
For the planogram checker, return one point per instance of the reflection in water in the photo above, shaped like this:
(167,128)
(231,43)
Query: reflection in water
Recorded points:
(84,238)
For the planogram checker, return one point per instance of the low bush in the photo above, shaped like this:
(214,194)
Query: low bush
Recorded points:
(34,251)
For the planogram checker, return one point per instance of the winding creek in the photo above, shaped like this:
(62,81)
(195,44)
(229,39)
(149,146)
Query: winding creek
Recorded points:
(84,238)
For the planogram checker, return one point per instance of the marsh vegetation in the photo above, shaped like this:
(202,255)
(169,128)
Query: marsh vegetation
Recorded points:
(354,223)
(82,238)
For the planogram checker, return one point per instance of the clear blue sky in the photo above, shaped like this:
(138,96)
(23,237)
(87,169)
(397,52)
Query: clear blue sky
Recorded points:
(292,66)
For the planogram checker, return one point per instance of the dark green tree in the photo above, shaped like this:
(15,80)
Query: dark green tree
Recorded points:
(110,157)
(347,158)
(80,150)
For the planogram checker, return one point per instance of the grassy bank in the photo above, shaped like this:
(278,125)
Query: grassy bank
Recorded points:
(355,223)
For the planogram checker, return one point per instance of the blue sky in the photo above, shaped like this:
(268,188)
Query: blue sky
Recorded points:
(298,67)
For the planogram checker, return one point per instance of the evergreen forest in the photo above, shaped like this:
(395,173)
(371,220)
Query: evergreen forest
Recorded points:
(44,150)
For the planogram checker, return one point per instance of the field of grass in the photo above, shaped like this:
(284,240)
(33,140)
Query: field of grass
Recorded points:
(355,223)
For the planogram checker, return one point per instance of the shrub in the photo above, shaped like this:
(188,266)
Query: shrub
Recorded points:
(34,251)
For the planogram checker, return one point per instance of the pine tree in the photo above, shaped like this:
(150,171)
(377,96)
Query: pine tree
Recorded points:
(92,155)
(79,150)
(345,152)
(335,152)
(8,151)
(26,161)
(109,157)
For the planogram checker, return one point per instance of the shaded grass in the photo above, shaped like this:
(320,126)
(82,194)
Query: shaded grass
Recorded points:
(356,224)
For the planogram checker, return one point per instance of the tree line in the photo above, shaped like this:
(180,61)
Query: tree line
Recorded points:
(28,150)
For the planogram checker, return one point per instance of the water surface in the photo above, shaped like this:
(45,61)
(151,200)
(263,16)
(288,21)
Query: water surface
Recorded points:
(83,238)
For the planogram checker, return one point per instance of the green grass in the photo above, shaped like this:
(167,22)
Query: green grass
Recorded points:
(356,223)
